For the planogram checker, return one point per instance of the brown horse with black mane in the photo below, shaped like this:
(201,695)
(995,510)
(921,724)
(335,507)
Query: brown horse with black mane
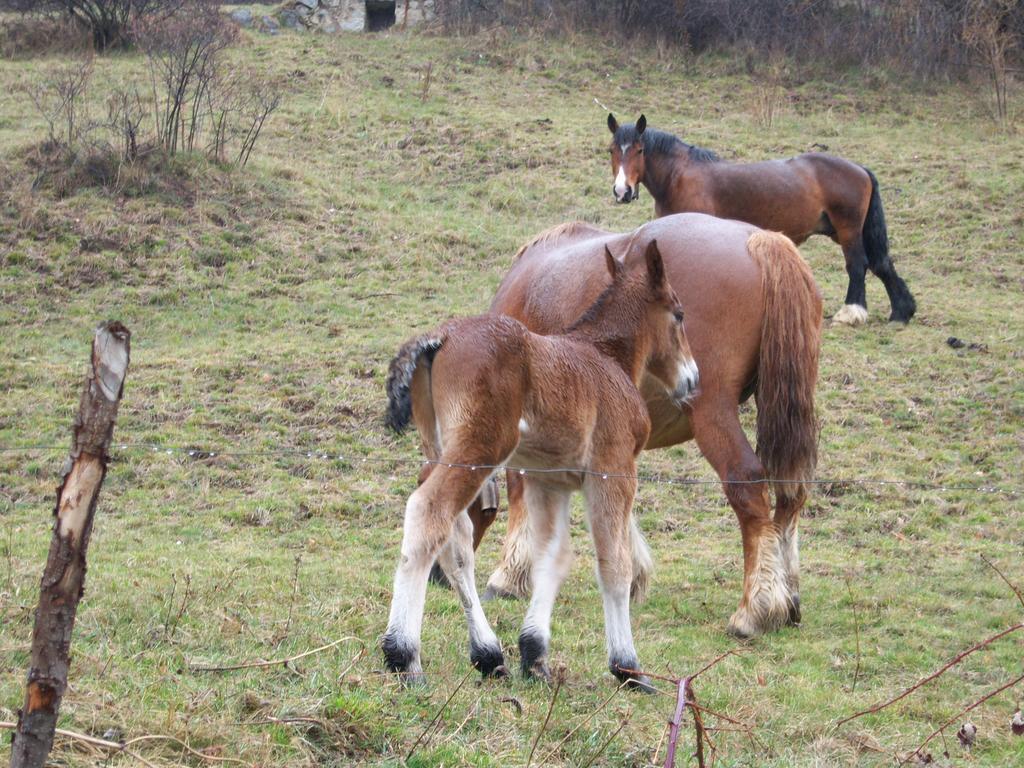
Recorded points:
(753,321)
(485,391)
(810,194)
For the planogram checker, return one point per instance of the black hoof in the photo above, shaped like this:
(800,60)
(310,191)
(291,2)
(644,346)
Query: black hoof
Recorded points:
(437,577)
(627,672)
(397,655)
(533,653)
(794,611)
(490,661)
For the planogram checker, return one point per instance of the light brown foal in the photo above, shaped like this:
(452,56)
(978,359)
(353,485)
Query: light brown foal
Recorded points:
(485,392)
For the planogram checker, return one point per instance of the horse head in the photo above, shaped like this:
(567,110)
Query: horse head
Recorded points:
(627,152)
(669,358)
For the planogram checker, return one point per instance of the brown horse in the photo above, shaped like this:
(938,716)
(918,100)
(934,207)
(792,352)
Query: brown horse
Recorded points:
(806,195)
(485,391)
(753,321)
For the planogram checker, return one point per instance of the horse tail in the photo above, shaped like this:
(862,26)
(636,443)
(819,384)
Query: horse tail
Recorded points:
(876,248)
(875,233)
(787,369)
(414,353)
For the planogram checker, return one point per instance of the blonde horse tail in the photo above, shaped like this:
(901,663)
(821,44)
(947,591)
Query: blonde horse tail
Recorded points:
(787,372)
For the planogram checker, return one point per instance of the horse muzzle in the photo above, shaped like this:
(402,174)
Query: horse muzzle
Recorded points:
(631,194)
(687,383)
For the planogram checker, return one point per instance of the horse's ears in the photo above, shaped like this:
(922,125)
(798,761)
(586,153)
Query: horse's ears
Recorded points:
(655,265)
(613,124)
(613,264)
(641,125)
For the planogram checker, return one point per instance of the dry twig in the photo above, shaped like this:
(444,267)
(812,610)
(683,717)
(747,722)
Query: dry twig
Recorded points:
(953,662)
(273,662)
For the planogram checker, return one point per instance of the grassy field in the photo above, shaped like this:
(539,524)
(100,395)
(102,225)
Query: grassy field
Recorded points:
(266,303)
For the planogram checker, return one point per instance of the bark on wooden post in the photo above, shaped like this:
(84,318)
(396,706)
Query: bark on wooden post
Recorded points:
(64,576)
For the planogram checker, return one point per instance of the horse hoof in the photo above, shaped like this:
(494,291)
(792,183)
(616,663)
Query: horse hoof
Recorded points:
(794,611)
(850,314)
(488,660)
(539,671)
(741,626)
(413,679)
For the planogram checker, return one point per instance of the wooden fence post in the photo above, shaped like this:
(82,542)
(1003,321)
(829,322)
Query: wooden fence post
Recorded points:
(64,576)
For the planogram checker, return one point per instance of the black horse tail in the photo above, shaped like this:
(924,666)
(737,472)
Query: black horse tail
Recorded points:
(787,368)
(413,353)
(876,248)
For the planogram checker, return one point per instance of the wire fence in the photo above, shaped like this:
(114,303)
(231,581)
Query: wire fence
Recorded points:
(204,454)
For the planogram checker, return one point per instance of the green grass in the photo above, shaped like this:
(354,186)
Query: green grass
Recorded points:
(265,305)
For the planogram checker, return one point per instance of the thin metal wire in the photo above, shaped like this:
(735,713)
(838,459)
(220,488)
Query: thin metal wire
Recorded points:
(200,454)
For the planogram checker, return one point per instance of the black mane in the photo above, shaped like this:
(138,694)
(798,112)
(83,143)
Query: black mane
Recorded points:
(662,143)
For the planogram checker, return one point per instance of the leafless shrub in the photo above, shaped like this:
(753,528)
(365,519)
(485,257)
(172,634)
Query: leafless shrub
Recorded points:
(184,57)
(125,114)
(988,31)
(60,97)
(260,99)
(928,38)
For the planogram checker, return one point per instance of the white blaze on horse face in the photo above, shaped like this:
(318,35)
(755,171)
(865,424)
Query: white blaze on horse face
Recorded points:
(523,427)
(621,184)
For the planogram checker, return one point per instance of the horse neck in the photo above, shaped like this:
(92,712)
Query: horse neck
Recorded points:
(661,167)
(615,329)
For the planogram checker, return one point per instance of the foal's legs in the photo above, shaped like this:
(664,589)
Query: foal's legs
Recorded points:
(548,521)
(456,559)
(766,601)
(609,509)
(512,576)
(429,517)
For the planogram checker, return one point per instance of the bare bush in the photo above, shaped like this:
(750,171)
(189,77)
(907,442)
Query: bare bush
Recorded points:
(928,38)
(60,97)
(184,57)
(988,30)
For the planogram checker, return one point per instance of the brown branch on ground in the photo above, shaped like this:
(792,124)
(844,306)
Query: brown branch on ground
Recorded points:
(960,714)
(559,679)
(856,630)
(437,715)
(1011,585)
(272,662)
(115,746)
(953,662)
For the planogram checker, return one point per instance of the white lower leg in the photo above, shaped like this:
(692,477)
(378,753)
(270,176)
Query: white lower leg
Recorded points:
(766,603)
(550,568)
(457,560)
(851,314)
(401,642)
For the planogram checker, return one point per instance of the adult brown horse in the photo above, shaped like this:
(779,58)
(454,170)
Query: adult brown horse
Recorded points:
(753,320)
(484,392)
(806,195)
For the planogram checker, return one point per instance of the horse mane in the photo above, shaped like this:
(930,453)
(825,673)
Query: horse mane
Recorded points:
(662,142)
(559,230)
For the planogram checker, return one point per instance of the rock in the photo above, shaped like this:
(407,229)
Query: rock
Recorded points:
(289,19)
(242,17)
(308,4)
(269,25)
